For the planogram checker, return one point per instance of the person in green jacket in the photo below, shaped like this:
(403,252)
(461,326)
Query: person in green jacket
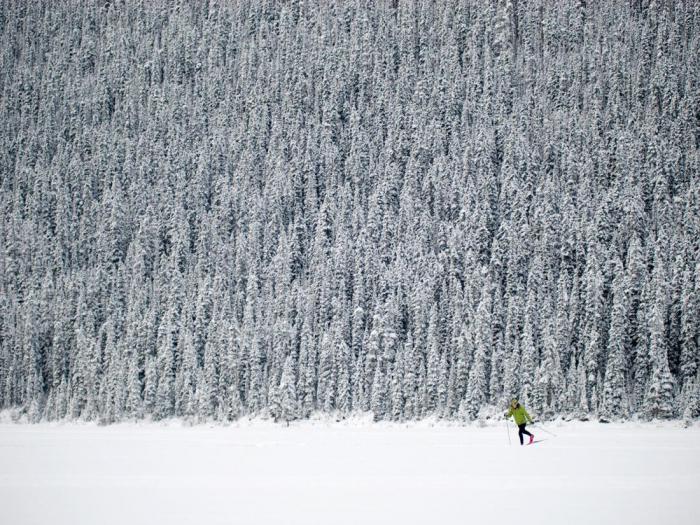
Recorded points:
(521,419)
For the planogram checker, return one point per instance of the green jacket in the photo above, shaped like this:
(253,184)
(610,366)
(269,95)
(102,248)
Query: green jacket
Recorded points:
(519,414)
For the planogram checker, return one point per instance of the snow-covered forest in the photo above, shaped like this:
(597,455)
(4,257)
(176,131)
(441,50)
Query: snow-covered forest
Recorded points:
(419,209)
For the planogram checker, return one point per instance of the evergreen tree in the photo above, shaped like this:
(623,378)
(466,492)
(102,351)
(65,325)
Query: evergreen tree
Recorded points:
(327,375)
(615,403)
(527,364)
(659,398)
(289,404)
(379,394)
(477,387)
(689,328)
(593,325)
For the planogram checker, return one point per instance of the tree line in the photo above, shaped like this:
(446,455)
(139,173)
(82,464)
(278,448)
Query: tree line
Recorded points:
(417,209)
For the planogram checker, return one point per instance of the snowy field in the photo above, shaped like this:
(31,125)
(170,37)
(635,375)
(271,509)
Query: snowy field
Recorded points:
(317,473)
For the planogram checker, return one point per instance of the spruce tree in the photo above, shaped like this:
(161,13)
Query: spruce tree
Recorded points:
(289,403)
(659,397)
(615,404)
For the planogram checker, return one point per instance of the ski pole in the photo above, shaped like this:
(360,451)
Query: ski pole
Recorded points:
(508,431)
(537,425)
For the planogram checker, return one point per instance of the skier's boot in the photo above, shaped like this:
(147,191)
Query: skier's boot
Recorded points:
(532,438)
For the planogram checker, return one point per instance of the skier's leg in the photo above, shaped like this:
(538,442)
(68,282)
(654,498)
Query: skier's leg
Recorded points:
(523,431)
(521,428)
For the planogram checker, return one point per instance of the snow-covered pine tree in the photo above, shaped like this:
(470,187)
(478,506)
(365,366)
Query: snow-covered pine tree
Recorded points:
(551,380)
(659,397)
(615,399)
(593,324)
(690,310)
(289,410)
(477,386)
(379,394)
(528,364)
(327,374)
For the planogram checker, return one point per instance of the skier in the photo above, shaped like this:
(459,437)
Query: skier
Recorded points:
(521,418)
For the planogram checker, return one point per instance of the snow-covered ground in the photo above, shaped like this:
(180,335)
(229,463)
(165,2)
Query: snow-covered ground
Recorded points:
(318,473)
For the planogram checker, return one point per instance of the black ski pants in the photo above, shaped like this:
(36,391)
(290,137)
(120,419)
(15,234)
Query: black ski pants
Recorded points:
(521,431)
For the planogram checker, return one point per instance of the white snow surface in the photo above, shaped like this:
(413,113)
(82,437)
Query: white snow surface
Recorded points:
(347,473)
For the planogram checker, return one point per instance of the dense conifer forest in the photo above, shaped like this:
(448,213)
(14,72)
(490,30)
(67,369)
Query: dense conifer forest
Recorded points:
(217,209)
